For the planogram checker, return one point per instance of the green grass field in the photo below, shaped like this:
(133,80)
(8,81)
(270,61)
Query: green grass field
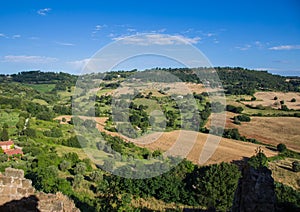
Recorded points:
(44,88)
(40,101)
(152,104)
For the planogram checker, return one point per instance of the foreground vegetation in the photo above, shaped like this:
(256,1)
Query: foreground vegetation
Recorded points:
(54,159)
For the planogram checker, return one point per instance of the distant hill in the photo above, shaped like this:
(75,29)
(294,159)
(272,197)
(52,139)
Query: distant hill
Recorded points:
(235,80)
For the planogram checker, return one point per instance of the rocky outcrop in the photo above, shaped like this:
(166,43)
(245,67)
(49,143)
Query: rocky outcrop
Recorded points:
(17,194)
(255,192)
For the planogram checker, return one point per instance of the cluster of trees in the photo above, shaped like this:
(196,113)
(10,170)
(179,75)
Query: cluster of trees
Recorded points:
(234,109)
(241,118)
(38,77)
(228,133)
(210,186)
(128,149)
(235,80)
(4,136)
(240,81)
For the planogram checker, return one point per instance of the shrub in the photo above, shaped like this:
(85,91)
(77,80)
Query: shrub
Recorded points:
(296,166)
(293,100)
(234,109)
(281,147)
(243,118)
(258,160)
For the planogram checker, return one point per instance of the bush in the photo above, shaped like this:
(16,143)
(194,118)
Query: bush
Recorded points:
(243,118)
(284,108)
(281,147)
(46,116)
(234,109)
(258,160)
(296,166)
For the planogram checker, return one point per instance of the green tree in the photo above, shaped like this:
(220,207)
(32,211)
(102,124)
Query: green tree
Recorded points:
(72,157)
(78,181)
(214,186)
(64,165)
(296,166)
(258,160)
(293,100)
(96,176)
(30,132)
(4,134)
(3,157)
(47,179)
(20,124)
(281,147)
(108,164)
(80,168)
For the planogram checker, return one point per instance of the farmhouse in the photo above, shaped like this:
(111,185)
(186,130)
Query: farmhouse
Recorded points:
(9,148)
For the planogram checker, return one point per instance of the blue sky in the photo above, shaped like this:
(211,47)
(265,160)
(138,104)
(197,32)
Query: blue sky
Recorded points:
(53,35)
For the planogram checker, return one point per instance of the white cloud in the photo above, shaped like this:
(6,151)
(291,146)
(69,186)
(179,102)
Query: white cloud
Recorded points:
(44,11)
(243,48)
(2,35)
(16,36)
(131,30)
(28,59)
(285,47)
(265,69)
(258,44)
(99,27)
(65,44)
(79,64)
(157,39)
(210,34)
(34,38)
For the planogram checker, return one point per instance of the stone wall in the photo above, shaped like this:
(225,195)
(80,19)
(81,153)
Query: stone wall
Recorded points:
(17,194)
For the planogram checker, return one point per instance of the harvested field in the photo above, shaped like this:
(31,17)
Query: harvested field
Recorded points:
(267,99)
(282,172)
(228,150)
(269,130)
(273,130)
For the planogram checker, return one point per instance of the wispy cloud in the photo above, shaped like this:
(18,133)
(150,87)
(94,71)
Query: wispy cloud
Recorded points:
(3,35)
(285,47)
(16,36)
(131,30)
(266,69)
(65,44)
(258,44)
(99,27)
(28,59)
(244,48)
(79,64)
(44,11)
(157,39)
(33,38)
